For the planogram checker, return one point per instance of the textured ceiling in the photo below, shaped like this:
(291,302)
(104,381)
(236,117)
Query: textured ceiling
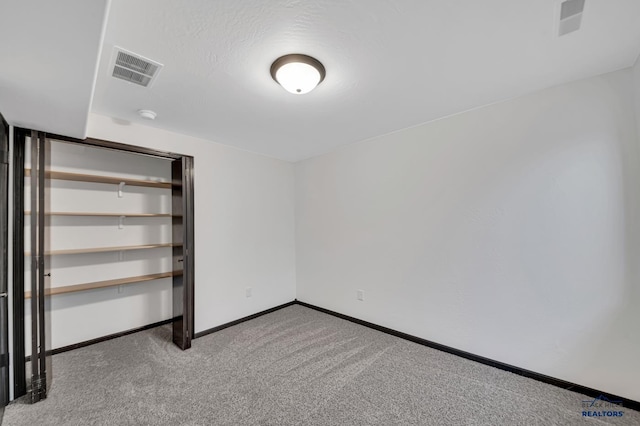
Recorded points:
(390,64)
(49,52)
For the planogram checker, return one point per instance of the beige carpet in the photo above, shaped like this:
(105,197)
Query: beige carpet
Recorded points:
(294,366)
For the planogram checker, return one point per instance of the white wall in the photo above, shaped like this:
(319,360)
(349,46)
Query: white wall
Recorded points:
(244,223)
(510,231)
(636,91)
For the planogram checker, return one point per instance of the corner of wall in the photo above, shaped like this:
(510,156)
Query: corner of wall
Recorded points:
(103,31)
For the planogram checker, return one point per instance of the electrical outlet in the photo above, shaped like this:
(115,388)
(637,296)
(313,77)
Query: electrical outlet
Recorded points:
(360,295)
(249,292)
(120,289)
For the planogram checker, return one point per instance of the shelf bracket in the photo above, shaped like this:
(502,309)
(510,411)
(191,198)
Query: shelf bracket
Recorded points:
(121,222)
(120,188)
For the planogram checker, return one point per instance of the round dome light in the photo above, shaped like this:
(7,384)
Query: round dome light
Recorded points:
(297,73)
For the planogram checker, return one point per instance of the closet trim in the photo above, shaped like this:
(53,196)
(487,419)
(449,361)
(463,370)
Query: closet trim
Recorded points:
(101,143)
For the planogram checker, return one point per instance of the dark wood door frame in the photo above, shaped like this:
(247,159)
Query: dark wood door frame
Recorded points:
(4,260)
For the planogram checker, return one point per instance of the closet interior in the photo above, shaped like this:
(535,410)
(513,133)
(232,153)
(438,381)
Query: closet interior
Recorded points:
(110,248)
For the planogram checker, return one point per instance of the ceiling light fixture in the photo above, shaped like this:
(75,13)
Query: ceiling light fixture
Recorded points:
(297,73)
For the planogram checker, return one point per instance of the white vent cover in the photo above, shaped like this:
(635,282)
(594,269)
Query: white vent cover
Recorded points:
(570,16)
(133,68)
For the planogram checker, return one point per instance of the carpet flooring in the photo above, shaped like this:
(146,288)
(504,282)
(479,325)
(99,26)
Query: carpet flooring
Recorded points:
(295,366)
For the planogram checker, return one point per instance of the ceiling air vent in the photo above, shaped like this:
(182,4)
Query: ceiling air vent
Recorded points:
(570,16)
(134,68)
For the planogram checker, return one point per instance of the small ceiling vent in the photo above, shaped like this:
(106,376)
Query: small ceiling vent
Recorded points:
(133,68)
(570,16)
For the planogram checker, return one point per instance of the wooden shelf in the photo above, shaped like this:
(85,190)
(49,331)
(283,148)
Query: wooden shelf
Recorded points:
(79,177)
(105,249)
(104,284)
(98,214)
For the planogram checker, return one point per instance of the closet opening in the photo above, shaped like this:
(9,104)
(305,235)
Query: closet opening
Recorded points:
(108,240)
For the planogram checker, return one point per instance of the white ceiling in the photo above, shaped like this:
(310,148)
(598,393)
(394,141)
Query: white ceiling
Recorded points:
(49,52)
(390,64)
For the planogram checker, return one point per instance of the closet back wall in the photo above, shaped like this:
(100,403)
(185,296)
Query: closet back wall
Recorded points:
(84,315)
(244,221)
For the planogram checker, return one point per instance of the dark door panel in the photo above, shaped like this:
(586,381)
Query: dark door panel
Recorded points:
(39,372)
(4,258)
(182,230)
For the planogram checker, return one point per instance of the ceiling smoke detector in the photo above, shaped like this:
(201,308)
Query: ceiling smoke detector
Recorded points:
(133,68)
(147,114)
